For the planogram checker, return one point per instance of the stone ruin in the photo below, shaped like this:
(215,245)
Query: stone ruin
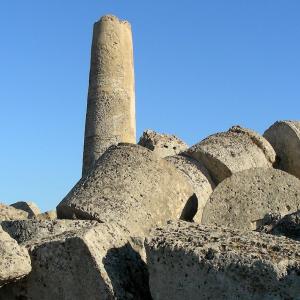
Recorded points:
(159,219)
(110,116)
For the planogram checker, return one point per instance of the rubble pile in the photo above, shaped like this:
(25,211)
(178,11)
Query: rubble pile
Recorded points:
(159,219)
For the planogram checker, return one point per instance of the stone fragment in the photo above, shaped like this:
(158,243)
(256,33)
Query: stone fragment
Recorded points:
(198,177)
(14,260)
(235,150)
(284,136)
(193,261)
(30,207)
(10,213)
(48,215)
(162,144)
(130,185)
(242,200)
(268,222)
(75,259)
(26,230)
(110,116)
(288,225)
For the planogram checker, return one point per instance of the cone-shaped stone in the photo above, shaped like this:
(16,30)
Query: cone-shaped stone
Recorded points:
(133,187)
(110,116)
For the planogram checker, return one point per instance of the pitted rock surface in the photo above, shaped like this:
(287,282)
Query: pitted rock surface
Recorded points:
(162,145)
(198,177)
(130,185)
(242,200)
(193,261)
(26,230)
(75,259)
(284,136)
(14,260)
(10,213)
(229,152)
(30,207)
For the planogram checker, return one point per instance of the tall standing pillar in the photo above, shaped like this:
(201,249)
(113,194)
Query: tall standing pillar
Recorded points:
(110,116)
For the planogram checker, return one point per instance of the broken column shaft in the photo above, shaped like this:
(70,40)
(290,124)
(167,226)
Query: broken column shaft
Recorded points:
(110,116)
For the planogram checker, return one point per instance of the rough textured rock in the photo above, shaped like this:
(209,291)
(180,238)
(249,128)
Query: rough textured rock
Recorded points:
(48,215)
(284,136)
(26,230)
(235,150)
(198,177)
(10,213)
(192,261)
(78,260)
(242,200)
(14,260)
(288,225)
(132,186)
(110,116)
(162,144)
(268,222)
(30,207)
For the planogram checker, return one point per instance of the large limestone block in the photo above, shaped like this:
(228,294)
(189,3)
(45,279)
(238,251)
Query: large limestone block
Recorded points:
(14,260)
(235,150)
(10,213)
(193,261)
(284,136)
(198,177)
(132,186)
(242,200)
(75,260)
(162,144)
(30,207)
(110,116)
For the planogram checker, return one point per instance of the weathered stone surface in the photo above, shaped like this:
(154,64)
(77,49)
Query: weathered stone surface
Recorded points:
(47,215)
(162,144)
(14,260)
(198,177)
(110,117)
(132,186)
(193,261)
(284,136)
(288,225)
(235,150)
(268,222)
(242,200)
(30,207)
(75,259)
(10,213)
(26,230)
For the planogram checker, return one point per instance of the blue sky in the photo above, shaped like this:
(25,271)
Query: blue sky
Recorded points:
(201,67)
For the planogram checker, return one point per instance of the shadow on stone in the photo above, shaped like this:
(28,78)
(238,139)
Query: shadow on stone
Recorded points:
(190,209)
(128,273)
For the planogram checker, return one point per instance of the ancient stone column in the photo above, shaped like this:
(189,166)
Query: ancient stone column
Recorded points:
(110,116)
